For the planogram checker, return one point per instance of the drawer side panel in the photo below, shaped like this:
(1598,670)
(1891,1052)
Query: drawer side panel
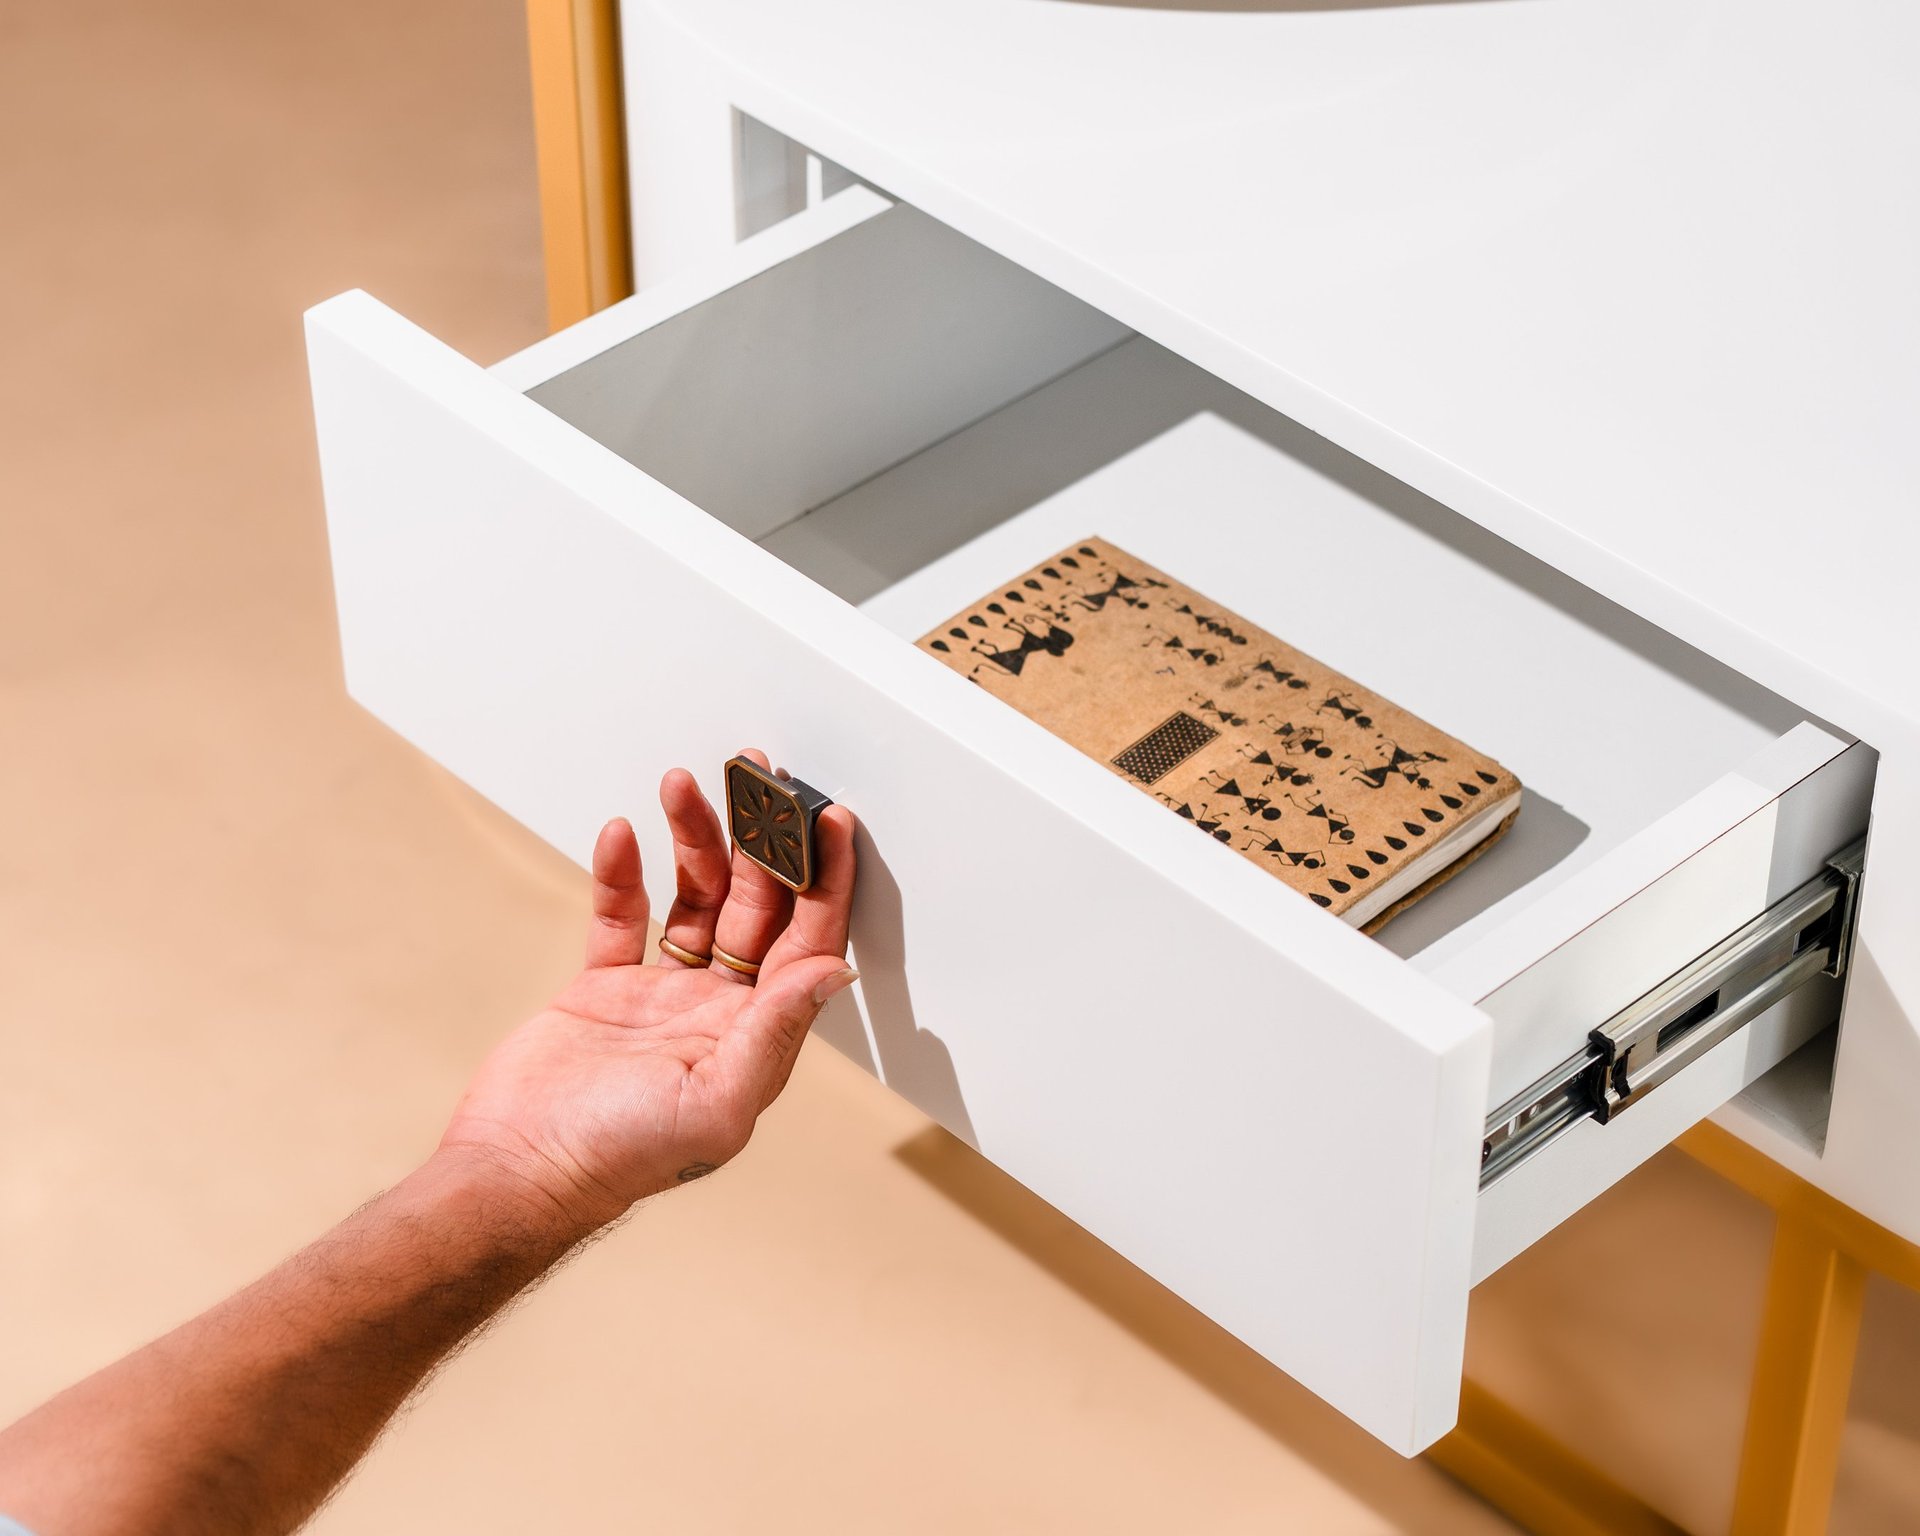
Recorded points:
(824,368)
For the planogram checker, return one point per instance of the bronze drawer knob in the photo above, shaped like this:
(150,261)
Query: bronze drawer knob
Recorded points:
(772,817)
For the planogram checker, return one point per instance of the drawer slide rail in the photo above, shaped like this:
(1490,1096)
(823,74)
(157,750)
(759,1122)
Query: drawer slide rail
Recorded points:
(1807,933)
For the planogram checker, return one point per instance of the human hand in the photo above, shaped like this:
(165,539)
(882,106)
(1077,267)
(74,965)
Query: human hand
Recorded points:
(639,1075)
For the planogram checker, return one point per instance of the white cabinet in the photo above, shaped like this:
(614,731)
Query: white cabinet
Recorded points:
(717,515)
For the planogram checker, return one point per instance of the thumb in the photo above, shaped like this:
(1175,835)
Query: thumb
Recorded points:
(784,1008)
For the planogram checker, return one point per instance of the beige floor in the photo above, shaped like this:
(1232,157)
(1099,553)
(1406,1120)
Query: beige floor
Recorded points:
(252,943)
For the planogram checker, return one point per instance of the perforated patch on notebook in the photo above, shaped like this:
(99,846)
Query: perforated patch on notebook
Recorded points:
(1165,747)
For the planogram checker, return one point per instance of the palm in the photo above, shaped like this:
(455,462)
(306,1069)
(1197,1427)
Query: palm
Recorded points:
(641,1076)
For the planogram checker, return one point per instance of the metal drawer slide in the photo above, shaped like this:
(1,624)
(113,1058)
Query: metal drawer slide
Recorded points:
(1807,933)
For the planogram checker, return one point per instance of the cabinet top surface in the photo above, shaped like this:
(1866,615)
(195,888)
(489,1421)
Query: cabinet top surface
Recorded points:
(1630,282)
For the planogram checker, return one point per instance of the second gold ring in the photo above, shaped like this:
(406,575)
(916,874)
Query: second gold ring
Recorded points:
(735,963)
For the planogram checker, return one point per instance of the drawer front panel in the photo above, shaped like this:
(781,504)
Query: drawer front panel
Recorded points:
(1258,1106)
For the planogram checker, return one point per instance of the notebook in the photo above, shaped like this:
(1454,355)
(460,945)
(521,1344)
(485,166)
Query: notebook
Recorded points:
(1353,802)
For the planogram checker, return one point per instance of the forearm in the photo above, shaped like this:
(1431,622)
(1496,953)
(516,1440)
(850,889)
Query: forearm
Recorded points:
(639,1077)
(244,1419)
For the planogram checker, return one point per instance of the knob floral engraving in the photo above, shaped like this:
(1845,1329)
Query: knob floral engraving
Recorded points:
(772,816)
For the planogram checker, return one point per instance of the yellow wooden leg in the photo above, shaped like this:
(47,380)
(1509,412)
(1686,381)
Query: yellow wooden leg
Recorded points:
(1801,1377)
(573,46)
(1535,1480)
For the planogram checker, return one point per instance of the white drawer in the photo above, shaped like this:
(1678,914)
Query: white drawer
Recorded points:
(649,541)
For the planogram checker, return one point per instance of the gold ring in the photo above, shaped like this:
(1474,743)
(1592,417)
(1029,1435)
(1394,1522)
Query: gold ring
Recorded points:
(684,956)
(735,963)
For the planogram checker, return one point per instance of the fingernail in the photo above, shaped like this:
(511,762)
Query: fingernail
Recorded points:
(839,981)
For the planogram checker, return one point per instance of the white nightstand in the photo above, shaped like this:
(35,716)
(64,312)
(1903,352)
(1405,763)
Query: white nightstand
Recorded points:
(1572,349)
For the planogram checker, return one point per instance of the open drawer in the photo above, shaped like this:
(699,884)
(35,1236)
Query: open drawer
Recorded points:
(717,514)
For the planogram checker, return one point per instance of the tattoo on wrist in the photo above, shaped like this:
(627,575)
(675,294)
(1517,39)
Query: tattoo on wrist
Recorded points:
(695,1171)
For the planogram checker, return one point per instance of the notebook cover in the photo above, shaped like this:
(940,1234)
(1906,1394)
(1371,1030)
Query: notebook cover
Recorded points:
(1316,779)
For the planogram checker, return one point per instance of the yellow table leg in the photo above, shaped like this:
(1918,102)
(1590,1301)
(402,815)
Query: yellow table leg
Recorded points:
(1801,1376)
(573,46)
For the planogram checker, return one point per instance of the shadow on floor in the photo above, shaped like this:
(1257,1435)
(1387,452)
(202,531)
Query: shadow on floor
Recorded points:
(1206,1352)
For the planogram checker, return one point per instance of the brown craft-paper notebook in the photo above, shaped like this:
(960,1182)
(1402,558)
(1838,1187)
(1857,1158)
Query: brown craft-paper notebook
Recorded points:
(1347,798)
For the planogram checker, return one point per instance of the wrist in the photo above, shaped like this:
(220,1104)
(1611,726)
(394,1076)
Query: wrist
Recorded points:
(501,1198)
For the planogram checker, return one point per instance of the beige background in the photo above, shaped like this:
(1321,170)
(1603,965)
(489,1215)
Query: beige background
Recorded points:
(250,943)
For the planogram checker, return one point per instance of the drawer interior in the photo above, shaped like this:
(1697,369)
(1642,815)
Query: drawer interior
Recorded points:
(907,419)
(1337,559)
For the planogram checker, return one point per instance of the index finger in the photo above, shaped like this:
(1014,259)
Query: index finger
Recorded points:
(618,932)
(822,911)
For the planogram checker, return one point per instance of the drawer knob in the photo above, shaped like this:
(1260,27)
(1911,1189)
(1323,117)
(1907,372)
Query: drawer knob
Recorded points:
(771,817)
